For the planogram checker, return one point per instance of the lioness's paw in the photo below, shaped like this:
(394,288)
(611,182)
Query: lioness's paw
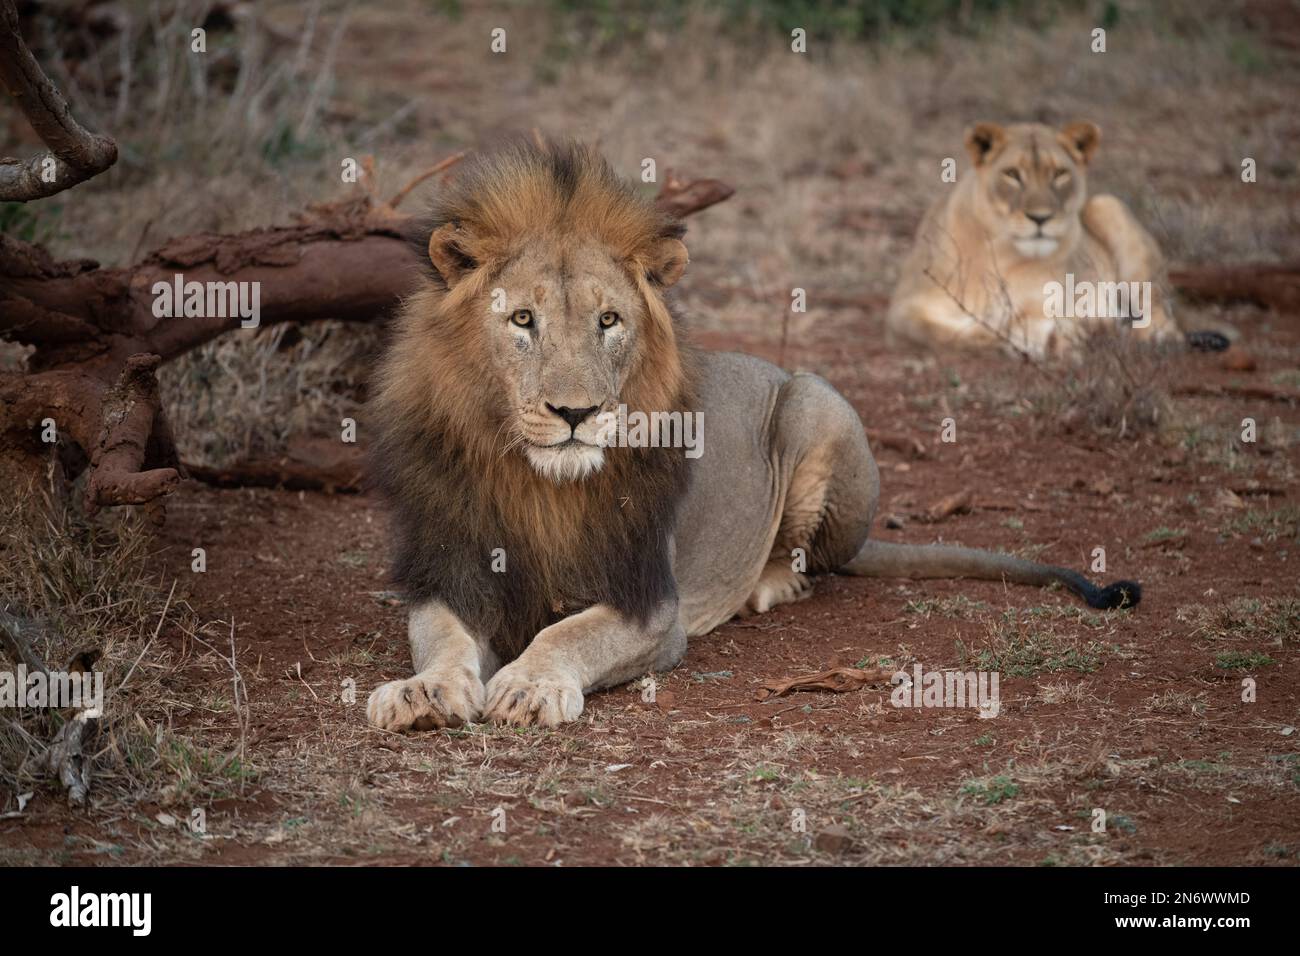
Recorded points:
(428,701)
(522,695)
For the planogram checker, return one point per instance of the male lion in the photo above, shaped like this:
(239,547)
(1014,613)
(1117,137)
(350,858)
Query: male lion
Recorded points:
(987,249)
(542,562)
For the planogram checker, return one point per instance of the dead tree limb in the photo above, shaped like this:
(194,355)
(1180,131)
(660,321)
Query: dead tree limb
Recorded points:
(75,153)
(1270,286)
(681,197)
(130,414)
(308,464)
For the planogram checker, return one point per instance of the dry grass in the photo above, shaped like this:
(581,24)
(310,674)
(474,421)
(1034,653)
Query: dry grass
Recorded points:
(1265,621)
(1119,388)
(82,587)
(239,397)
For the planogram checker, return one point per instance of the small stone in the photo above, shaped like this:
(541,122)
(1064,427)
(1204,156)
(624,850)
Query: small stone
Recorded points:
(833,839)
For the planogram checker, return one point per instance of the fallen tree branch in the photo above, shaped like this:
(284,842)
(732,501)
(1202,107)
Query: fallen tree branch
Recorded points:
(93,329)
(130,413)
(1271,286)
(75,154)
(309,464)
(1266,393)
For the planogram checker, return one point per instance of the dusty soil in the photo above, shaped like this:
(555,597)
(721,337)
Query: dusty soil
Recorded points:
(1134,713)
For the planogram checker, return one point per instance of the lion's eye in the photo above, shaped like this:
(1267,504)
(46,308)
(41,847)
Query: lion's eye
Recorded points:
(608,320)
(522,318)
(1062,177)
(1013,175)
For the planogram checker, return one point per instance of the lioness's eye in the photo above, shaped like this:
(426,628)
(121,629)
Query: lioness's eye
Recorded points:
(1013,175)
(522,318)
(608,320)
(1062,177)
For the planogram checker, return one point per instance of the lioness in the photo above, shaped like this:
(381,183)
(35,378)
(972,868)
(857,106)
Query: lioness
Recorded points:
(540,560)
(989,247)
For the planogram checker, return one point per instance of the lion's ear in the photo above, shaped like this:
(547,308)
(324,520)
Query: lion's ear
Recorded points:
(667,261)
(448,255)
(983,139)
(1082,139)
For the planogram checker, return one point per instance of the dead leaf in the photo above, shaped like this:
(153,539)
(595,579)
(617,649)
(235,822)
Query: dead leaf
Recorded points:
(1227,498)
(957,503)
(838,680)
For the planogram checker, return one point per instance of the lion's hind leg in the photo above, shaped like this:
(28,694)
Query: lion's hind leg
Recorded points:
(779,584)
(1137,258)
(829,495)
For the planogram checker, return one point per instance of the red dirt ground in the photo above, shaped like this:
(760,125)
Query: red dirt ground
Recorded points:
(706,774)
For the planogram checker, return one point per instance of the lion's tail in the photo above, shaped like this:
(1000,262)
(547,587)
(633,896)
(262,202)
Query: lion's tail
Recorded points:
(883,559)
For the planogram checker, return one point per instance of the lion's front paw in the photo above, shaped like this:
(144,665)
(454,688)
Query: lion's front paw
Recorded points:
(523,695)
(428,701)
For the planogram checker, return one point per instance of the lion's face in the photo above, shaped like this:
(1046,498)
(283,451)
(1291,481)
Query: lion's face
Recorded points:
(1033,182)
(563,343)
(563,325)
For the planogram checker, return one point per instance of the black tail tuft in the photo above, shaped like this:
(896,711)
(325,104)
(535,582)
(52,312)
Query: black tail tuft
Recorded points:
(1117,595)
(1207,342)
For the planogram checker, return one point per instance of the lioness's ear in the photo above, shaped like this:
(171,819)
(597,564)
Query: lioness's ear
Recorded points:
(448,255)
(667,261)
(1082,138)
(983,139)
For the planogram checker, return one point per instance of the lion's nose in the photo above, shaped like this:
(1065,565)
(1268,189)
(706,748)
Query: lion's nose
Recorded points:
(1038,218)
(574,416)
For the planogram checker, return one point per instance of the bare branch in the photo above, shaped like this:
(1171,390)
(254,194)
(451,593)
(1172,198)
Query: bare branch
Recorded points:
(682,197)
(76,154)
(443,166)
(14,631)
(129,412)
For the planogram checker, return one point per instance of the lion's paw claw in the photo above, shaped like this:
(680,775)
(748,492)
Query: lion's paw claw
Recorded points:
(429,701)
(523,696)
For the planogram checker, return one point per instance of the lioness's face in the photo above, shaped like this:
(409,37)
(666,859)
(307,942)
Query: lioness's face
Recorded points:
(1033,181)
